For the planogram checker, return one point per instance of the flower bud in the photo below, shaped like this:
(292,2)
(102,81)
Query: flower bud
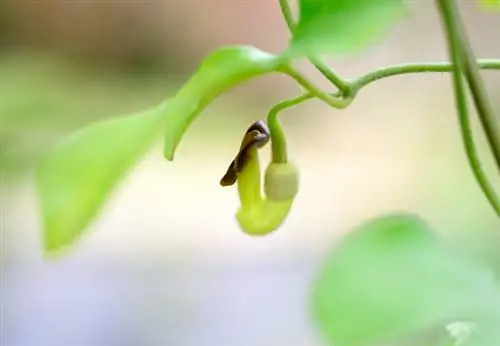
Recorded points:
(281,181)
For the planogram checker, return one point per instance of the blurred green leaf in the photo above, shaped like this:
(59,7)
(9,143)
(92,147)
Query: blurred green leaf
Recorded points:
(221,70)
(77,176)
(392,278)
(343,26)
(45,97)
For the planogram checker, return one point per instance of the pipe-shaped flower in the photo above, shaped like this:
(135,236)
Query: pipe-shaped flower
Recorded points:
(260,215)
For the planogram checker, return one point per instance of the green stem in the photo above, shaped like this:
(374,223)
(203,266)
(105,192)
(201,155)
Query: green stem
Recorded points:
(395,70)
(333,100)
(455,29)
(278,139)
(412,68)
(326,71)
(389,71)
(463,114)
(286,11)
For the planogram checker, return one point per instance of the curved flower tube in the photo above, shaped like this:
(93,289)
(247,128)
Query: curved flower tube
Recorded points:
(261,215)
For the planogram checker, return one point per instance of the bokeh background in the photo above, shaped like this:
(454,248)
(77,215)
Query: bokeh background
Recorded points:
(165,263)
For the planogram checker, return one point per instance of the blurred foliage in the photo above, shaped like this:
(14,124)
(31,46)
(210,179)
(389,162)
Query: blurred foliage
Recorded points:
(393,278)
(88,164)
(343,26)
(45,96)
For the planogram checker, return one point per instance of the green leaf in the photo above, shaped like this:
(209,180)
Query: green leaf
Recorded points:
(343,26)
(221,70)
(77,175)
(392,278)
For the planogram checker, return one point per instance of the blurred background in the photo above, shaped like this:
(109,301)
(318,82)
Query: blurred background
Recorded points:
(165,263)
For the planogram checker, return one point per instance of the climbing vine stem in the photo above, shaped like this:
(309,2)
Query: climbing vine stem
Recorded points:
(455,30)
(454,47)
(338,101)
(463,63)
(389,71)
(278,139)
(332,99)
(413,68)
(328,72)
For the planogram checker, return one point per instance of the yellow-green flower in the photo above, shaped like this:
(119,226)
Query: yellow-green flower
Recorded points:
(260,215)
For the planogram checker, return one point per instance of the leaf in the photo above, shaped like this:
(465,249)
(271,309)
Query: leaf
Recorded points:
(392,278)
(221,70)
(78,175)
(342,26)
(75,178)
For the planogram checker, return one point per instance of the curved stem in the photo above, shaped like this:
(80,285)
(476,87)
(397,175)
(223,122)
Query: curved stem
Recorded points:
(385,72)
(333,100)
(278,139)
(389,71)
(463,118)
(326,71)
(455,28)
(412,68)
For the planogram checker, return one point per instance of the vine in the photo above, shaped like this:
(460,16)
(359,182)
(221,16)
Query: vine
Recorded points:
(363,294)
(67,213)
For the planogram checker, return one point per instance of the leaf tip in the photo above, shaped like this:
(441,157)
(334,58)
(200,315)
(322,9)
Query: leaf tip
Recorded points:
(168,151)
(53,246)
(58,239)
(54,251)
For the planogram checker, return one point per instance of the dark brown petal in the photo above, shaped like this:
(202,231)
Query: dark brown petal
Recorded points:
(255,137)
